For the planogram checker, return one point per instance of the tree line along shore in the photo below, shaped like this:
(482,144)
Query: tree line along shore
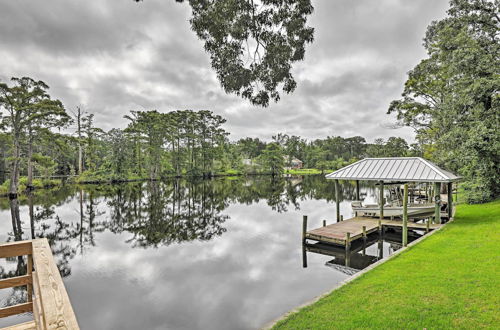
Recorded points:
(43,144)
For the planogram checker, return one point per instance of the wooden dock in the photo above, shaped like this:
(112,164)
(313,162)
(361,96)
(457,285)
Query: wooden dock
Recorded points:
(46,297)
(344,232)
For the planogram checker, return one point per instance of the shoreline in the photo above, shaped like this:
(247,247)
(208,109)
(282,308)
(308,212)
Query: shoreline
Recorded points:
(350,279)
(64,180)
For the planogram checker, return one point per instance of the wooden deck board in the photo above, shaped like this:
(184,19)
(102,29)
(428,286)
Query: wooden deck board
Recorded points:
(31,325)
(337,232)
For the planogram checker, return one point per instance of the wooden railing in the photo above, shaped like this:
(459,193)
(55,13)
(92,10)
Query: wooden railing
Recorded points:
(47,296)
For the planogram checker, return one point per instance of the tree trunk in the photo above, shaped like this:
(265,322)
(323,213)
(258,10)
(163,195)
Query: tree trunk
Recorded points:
(16,219)
(29,185)
(32,215)
(80,149)
(14,173)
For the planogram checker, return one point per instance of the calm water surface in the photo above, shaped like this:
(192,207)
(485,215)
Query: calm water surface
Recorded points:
(212,254)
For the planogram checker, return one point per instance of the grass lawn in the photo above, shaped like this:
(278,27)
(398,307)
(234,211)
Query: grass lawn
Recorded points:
(301,171)
(450,280)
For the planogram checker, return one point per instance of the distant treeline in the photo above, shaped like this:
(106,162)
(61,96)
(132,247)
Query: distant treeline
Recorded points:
(154,145)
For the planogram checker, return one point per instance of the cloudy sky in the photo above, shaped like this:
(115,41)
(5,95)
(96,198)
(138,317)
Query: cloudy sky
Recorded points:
(116,56)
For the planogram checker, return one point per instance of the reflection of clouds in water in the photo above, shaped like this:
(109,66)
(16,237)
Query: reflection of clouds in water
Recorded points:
(247,276)
(241,279)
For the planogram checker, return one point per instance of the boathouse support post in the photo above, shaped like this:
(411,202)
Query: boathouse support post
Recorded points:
(304,228)
(405,216)
(437,202)
(381,199)
(450,200)
(337,199)
(357,190)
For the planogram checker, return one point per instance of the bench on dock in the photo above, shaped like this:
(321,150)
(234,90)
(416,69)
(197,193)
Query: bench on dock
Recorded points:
(47,298)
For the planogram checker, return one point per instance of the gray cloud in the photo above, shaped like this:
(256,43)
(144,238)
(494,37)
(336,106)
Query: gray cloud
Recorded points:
(115,56)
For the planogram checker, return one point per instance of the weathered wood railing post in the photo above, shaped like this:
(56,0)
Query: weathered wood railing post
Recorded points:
(437,202)
(364,233)
(29,271)
(405,216)
(427,225)
(337,199)
(304,228)
(47,298)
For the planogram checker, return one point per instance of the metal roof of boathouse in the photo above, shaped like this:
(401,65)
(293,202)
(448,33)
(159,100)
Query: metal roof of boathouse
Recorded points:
(411,169)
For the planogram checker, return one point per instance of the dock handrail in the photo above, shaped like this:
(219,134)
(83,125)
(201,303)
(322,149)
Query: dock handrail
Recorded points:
(47,297)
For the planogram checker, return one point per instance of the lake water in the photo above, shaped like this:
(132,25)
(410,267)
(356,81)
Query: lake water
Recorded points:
(203,254)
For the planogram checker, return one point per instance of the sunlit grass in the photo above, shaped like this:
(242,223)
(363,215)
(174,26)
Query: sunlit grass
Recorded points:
(450,280)
(303,171)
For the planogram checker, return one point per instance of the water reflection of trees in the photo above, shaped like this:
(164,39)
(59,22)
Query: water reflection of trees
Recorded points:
(154,213)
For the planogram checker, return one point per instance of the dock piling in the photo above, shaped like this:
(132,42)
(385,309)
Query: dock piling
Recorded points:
(348,241)
(304,228)
(304,256)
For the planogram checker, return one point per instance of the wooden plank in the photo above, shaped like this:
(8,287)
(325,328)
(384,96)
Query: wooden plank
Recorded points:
(15,281)
(336,232)
(14,249)
(57,310)
(16,309)
(37,306)
(29,271)
(31,325)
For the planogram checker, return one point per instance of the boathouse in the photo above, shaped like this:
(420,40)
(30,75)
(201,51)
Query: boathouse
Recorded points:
(397,170)
(386,171)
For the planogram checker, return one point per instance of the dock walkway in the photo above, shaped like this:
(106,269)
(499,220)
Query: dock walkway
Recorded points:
(343,232)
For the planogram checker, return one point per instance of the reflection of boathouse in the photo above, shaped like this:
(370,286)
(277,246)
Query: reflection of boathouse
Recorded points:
(360,255)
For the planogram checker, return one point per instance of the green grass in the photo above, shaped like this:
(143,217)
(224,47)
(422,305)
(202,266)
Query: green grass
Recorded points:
(302,171)
(448,281)
(37,184)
